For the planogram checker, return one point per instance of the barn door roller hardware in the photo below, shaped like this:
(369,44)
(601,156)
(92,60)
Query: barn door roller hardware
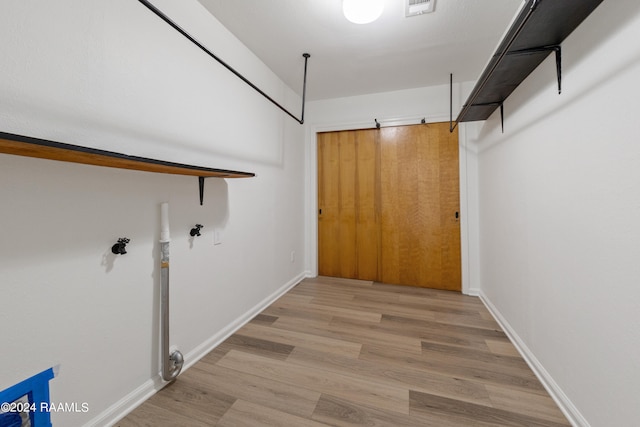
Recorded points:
(176,27)
(394,122)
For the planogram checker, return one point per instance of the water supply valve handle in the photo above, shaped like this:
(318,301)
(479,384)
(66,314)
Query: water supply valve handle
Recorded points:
(120,247)
(195,231)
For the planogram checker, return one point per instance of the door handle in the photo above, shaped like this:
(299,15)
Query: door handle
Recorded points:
(457,215)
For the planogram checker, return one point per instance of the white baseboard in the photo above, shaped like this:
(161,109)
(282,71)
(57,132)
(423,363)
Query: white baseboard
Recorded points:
(127,404)
(474,292)
(137,397)
(564,403)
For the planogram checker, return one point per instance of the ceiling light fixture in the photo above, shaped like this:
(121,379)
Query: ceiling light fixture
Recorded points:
(362,11)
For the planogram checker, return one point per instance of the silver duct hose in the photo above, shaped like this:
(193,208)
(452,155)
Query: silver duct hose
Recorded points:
(171,362)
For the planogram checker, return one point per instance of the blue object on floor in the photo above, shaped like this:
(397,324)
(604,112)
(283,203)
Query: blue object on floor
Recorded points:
(37,389)
(10,419)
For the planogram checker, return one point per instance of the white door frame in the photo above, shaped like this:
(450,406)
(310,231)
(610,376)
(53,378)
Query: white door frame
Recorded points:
(311,198)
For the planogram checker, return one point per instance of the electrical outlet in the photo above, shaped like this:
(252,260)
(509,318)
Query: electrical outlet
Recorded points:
(217,236)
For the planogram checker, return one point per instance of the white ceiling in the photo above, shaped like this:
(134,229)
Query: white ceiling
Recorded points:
(347,59)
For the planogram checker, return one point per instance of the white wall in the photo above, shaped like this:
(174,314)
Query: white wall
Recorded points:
(559,200)
(396,108)
(111,75)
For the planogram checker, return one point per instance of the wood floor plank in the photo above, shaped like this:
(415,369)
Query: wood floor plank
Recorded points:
(257,389)
(215,354)
(325,280)
(298,312)
(264,319)
(193,399)
(471,359)
(504,348)
(486,315)
(442,333)
(307,325)
(347,290)
(430,404)
(474,355)
(246,414)
(443,326)
(432,332)
(347,313)
(353,331)
(437,306)
(396,333)
(325,291)
(306,340)
(371,334)
(465,320)
(328,308)
(440,298)
(365,392)
(259,346)
(531,404)
(440,337)
(293,298)
(394,375)
(385,307)
(344,413)
(442,365)
(151,415)
(356,353)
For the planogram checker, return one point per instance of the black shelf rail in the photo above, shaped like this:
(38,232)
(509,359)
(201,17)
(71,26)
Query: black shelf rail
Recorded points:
(176,27)
(537,31)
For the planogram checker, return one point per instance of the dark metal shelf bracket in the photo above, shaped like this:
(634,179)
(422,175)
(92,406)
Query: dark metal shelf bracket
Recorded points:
(176,27)
(468,105)
(558,51)
(201,188)
(556,48)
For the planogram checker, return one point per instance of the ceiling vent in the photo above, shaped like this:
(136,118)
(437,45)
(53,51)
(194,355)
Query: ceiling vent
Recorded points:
(419,7)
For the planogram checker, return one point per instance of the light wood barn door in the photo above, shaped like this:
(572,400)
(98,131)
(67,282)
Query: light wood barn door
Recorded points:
(388,204)
(347,205)
(420,202)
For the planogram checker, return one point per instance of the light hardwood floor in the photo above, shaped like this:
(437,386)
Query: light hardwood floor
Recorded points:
(353,353)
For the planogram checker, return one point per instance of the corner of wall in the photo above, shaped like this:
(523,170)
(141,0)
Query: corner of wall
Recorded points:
(564,403)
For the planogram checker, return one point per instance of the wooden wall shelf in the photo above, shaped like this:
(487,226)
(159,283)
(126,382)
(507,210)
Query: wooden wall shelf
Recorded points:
(41,148)
(539,29)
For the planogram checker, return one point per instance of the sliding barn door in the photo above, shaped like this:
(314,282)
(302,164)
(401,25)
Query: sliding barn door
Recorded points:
(420,199)
(389,205)
(347,200)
